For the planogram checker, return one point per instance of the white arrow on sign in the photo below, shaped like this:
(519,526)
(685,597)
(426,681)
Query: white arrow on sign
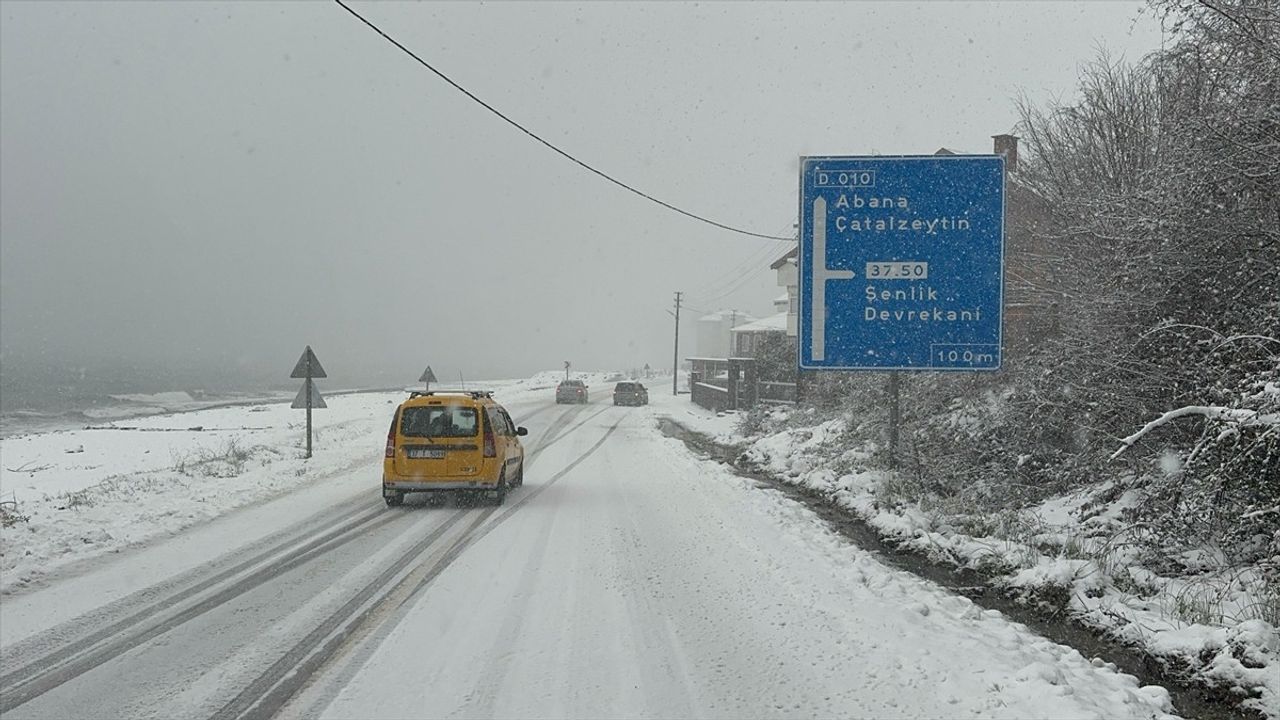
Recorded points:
(821,274)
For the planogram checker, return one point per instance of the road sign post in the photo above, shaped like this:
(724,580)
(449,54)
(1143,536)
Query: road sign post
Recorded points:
(901,263)
(427,378)
(893,420)
(309,397)
(901,266)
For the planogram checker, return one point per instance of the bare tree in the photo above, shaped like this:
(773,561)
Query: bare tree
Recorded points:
(1161,181)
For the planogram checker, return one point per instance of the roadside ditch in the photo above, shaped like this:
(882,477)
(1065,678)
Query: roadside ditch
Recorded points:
(1051,621)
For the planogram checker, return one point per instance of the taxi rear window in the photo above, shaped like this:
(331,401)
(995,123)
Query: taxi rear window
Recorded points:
(438,421)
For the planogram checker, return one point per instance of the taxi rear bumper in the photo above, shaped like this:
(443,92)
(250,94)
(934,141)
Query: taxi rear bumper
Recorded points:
(434,485)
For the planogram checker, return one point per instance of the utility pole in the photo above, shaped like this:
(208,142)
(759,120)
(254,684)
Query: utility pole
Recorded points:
(894,419)
(675,355)
(733,323)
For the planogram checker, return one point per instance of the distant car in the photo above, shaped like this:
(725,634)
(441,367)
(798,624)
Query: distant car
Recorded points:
(571,391)
(630,393)
(458,442)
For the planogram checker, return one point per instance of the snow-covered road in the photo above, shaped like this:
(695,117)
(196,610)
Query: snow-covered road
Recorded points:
(627,578)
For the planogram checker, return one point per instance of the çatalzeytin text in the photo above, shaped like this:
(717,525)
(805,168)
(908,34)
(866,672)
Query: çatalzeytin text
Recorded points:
(892,223)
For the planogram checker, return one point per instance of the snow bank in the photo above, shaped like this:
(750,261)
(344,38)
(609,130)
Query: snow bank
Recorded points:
(1070,546)
(722,427)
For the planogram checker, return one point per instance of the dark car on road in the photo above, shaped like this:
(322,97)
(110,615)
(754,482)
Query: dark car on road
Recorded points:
(630,393)
(571,391)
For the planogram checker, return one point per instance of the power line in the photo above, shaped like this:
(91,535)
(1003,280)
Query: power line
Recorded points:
(737,285)
(750,266)
(731,274)
(733,279)
(698,310)
(715,292)
(556,149)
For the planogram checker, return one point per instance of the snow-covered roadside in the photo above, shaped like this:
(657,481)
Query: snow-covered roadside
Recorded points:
(1063,552)
(72,495)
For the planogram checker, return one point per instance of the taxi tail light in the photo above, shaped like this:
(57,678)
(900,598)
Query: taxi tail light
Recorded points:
(489,448)
(391,440)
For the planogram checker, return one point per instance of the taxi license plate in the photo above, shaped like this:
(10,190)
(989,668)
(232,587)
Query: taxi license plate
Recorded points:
(425,454)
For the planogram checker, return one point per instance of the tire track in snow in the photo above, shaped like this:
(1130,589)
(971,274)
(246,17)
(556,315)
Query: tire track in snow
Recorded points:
(266,695)
(535,492)
(554,427)
(485,695)
(384,625)
(530,456)
(37,678)
(82,654)
(647,622)
(535,413)
(466,541)
(67,643)
(499,664)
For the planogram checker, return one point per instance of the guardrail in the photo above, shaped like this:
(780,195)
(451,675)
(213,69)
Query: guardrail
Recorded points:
(738,388)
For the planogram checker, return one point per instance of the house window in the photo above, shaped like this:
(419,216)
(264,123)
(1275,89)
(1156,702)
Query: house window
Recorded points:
(795,304)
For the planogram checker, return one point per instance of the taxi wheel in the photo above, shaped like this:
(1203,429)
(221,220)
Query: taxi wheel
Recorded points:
(501,495)
(519,477)
(395,499)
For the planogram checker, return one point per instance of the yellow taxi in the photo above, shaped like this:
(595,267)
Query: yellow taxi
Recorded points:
(452,441)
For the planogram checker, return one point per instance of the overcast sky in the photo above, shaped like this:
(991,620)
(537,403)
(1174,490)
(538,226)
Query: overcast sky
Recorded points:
(220,184)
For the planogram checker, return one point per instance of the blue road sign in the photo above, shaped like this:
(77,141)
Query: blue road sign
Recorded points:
(901,262)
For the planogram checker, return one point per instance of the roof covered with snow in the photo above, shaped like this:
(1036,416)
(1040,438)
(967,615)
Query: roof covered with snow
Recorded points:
(719,315)
(773,323)
(787,257)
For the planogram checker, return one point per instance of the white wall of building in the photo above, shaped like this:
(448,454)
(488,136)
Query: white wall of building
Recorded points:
(713,336)
(789,278)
